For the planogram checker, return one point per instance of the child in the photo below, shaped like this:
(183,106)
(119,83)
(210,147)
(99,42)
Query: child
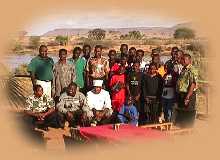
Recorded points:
(41,109)
(128,113)
(117,86)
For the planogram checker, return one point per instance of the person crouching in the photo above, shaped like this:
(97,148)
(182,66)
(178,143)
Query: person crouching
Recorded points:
(71,108)
(99,102)
(41,109)
(128,113)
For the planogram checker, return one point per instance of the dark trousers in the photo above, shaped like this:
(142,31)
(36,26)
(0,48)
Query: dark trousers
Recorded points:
(167,105)
(152,110)
(106,119)
(76,120)
(49,121)
(186,114)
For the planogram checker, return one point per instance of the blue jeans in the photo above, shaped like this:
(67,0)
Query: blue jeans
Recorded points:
(167,108)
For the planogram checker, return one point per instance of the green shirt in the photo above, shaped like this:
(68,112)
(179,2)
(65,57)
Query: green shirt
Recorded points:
(188,76)
(42,68)
(80,64)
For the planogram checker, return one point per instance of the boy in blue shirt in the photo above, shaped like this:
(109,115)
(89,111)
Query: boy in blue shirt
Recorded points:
(128,113)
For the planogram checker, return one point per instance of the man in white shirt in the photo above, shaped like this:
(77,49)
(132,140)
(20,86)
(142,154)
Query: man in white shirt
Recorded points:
(99,101)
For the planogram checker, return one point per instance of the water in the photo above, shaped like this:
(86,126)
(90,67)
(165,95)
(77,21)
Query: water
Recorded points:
(13,61)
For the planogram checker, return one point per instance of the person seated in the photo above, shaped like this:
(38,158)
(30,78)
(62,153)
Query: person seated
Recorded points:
(99,102)
(128,113)
(41,109)
(71,107)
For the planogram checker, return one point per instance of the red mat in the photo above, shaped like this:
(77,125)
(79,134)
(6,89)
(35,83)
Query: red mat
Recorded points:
(126,132)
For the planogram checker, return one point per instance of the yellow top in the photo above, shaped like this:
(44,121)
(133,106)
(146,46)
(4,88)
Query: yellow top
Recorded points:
(161,70)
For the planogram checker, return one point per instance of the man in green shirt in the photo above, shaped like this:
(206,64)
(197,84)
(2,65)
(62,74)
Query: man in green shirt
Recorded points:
(79,64)
(41,70)
(186,89)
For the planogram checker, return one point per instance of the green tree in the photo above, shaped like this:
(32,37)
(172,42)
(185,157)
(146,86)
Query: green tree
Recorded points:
(135,35)
(97,34)
(34,42)
(132,35)
(62,40)
(184,33)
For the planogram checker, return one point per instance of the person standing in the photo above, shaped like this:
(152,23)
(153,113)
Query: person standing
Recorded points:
(113,65)
(124,50)
(86,52)
(186,89)
(80,64)
(139,57)
(97,67)
(41,70)
(134,84)
(177,67)
(117,86)
(63,75)
(159,65)
(170,63)
(152,90)
(168,97)
(131,56)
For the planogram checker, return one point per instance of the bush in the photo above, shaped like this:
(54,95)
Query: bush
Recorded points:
(197,47)
(34,42)
(97,34)
(62,40)
(184,33)
(105,43)
(132,35)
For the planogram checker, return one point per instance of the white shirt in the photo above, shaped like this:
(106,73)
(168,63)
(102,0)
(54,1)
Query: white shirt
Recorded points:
(142,64)
(99,101)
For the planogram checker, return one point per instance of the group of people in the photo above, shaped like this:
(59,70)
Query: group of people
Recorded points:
(88,89)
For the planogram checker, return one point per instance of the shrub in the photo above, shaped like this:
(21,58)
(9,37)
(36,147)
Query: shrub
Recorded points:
(184,33)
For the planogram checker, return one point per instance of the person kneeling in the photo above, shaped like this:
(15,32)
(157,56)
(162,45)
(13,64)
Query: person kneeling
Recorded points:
(71,108)
(128,113)
(41,109)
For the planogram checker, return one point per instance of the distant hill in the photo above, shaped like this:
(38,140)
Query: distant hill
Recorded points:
(149,31)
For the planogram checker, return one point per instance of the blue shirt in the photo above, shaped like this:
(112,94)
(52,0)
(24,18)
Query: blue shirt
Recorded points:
(130,111)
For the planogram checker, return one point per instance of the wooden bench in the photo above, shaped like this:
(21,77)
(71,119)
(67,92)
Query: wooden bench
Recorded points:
(161,126)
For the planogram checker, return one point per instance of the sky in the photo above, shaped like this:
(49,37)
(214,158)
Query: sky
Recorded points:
(47,23)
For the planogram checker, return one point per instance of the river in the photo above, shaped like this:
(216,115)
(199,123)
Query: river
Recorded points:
(13,61)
